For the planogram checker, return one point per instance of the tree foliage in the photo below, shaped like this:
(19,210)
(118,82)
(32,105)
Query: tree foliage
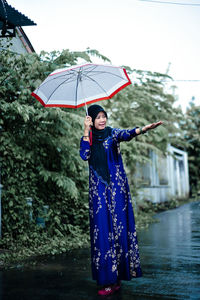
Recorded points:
(39,147)
(145,102)
(190,126)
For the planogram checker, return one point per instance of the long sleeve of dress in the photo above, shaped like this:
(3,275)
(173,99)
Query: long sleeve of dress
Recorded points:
(84,149)
(121,135)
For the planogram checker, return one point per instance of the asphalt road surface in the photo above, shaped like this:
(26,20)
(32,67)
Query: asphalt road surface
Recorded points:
(170,257)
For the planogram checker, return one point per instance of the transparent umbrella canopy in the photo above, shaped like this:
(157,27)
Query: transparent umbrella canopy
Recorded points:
(80,85)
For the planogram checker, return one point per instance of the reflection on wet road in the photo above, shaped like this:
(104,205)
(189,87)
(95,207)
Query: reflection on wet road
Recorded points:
(170,256)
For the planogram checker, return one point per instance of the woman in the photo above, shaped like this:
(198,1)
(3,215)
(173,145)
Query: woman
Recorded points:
(114,246)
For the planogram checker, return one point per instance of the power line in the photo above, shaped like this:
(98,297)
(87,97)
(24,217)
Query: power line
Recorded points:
(187,80)
(174,3)
(182,80)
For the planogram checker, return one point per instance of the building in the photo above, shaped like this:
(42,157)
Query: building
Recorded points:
(11,22)
(165,177)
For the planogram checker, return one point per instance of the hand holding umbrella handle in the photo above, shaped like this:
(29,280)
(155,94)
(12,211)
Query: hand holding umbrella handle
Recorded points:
(87,125)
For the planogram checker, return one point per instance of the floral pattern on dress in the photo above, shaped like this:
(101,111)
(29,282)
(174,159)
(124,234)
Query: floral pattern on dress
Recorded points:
(114,246)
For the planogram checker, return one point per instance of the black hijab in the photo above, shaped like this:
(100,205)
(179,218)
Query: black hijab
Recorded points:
(98,158)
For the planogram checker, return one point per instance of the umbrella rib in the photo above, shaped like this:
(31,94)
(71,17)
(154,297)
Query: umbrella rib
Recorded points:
(101,72)
(57,88)
(90,70)
(52,79)
(106,72)
(96,83)
(76,93)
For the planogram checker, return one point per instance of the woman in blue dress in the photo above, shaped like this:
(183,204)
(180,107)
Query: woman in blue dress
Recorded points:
(114,246)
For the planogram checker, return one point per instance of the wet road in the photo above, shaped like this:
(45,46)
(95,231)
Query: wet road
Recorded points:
(170,255)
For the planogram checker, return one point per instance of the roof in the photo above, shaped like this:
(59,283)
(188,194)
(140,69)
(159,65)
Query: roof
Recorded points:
(12,17)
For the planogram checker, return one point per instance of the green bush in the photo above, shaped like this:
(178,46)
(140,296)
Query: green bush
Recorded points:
(39,153)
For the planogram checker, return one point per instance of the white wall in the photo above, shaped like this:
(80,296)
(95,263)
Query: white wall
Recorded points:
(165,177)
(20,43)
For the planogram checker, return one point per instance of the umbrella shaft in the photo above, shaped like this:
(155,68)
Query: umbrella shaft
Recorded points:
(83,96)
(86,109)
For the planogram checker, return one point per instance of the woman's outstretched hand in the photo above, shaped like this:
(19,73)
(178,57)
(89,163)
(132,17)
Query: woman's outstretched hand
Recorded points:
(152,126)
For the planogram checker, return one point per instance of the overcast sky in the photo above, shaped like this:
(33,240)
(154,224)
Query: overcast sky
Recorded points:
(143,35)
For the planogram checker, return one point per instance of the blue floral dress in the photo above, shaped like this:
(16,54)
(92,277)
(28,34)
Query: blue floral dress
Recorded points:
(114,246)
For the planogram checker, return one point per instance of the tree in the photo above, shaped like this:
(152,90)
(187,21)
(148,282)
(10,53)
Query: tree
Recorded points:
(39,148)
(144,102)
(190,127)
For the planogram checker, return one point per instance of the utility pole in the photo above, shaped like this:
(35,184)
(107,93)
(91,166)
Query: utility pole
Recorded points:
(168,68)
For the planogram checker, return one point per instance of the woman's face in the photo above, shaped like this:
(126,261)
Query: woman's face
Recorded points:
(100,121)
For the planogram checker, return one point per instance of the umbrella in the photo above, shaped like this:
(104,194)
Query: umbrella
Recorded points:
(80,85)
